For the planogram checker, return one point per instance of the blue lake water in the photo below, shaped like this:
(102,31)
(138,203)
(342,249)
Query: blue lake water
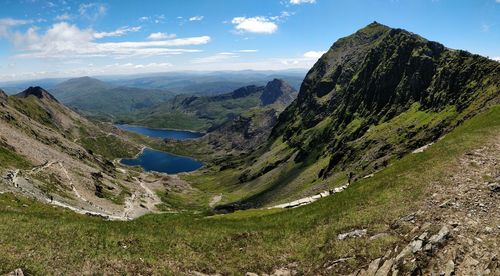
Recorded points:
(159,161)
(162,133)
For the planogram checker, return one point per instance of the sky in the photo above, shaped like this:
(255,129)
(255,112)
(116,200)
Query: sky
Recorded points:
(64,38)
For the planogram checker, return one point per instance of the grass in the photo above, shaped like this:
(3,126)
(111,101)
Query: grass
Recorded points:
(32,108)
(9,159)
(52,240)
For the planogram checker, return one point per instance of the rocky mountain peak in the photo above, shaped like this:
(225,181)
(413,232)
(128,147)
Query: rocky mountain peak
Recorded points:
(277,90)
(38,92)
(3,95)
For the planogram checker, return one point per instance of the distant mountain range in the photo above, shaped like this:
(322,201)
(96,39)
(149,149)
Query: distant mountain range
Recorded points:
(111,97)
(101,99)
(207,113)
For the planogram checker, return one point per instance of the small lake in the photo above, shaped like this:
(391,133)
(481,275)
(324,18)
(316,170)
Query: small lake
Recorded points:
(164,162)
(162,133)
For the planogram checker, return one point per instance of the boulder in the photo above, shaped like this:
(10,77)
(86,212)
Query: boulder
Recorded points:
(441,236)
(494,187)
(385,269)
(352,234)
(372,268)
(450,268)
(17,272)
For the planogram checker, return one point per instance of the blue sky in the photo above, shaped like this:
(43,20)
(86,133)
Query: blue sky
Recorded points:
(63,38)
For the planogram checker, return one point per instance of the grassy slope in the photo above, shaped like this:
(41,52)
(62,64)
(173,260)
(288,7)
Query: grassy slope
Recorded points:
(49,240)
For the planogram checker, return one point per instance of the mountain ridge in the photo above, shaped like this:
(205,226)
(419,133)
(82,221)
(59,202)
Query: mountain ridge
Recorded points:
(374,97)
(36,91)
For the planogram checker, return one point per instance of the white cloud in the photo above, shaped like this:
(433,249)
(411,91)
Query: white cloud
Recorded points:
(92,11)
(118,32)
(160,36)
(496,58)
(257,24)
(248,51)
(196,18)
(313,54)
(10,22)
(215,58)
(144,18)
(298,2)
(63,40)
(63,17)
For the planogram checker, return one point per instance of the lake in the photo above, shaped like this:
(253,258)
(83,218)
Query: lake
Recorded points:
(162,133)
(164,162)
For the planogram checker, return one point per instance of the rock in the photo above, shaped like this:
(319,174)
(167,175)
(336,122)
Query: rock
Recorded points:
(251,274)
(385,269)
(488,229)
(423,236)
(494,187)
(17,272)
(372,268)
(416,246)
(378,236)
(450,268)
(405,252)
(441,236)
(352,234)
(445,204)
(455,224)
(282,272)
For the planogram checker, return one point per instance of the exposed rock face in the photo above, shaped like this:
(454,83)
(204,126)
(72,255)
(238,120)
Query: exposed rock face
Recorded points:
(277,91)
(244,132)
(36,91)
(3,96)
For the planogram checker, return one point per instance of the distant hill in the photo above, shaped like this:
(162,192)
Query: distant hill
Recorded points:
(209,112)
(209,83)
(97,98)
(68,90)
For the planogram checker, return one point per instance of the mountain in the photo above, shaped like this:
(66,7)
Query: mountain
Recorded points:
(53,154)
(372,98)
(277,91)
(207,83)
(101,99)
(38,92)
(207,113)
(67,90)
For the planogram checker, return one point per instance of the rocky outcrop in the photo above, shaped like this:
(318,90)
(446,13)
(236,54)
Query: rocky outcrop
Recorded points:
(3,95)
(277,91)
(36,91)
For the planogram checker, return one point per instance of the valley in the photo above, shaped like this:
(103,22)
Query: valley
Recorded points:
(385,161)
